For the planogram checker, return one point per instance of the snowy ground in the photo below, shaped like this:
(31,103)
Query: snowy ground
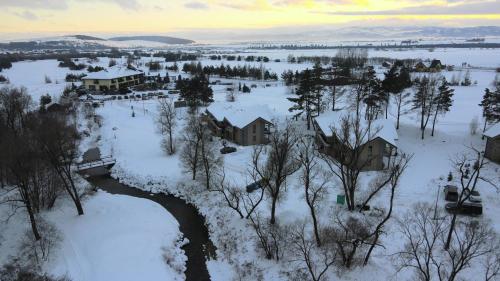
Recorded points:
(135,142)
(118,238)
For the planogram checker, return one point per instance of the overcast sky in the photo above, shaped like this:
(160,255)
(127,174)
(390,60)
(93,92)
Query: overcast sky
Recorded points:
(184,16)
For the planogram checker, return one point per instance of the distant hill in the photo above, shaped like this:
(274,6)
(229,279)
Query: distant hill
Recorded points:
(86,37)
(158,39)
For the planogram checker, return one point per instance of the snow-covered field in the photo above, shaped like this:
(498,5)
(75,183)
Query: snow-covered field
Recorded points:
(134,230)
(118,238)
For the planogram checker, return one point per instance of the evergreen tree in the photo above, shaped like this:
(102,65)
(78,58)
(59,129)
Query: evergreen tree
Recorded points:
(443,101)
(424,100)
(196,91)
(368,91)
(305,100)
(245,89)
(318,85)
(396,80)
(491,107)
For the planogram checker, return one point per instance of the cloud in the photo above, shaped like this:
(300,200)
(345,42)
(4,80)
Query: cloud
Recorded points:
(27,15)
(126,4)
(36,4)
(64,4)
(452,7)
(196,6)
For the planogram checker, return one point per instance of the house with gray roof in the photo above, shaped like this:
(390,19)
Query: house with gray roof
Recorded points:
(376,147)
(492,149)
(242,125)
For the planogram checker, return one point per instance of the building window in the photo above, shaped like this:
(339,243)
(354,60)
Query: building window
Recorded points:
(254,128)
(254,138)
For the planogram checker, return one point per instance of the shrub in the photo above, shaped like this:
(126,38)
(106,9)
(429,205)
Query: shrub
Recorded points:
(3,79)
(15,272)
(71,77)
(94,68)
(112,62)
(246,89)
(33,252)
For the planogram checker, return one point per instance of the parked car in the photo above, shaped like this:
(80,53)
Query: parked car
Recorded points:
(451,193)
(467,208)
(474,196)
(227,149)
(255,186)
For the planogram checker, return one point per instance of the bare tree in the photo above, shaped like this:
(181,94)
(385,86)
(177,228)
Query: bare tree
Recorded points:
(167,121)
(425,238)
(316,260)
(190,154)
(57,140)
(238,199)
(401,99)
(210,158)
(473,240)
(348,161)
(394,174)
(279,165)
(422,237)
(314,189)
(272,237)
(491,266)
(469,172)
(15,103)
(349,234)
(19,155)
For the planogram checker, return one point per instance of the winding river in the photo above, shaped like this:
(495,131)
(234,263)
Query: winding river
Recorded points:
(192,224)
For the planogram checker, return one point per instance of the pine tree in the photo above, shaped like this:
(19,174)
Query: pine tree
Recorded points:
(423,100)
(396,80)
(305,100)
(467,80)
(195,91)
(443,101)
(369,92)
(491,107)
(318,85)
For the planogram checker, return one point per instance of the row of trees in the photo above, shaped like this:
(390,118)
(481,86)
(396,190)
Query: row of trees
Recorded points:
(432,95)
(230,72)
(240,58)
(176,56)
(38,151)
(195,91)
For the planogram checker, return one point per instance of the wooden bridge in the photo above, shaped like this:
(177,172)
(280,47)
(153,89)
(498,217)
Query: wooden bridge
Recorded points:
(105,162)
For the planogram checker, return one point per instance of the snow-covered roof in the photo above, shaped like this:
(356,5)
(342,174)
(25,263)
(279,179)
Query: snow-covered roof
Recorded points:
(380,128)
(493,131)
(111,73)
(239,115)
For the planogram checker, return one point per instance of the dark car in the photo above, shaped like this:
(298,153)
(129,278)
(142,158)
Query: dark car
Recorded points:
(467,208)
(227,149)
(451,193)
(255,186)
(474,196)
